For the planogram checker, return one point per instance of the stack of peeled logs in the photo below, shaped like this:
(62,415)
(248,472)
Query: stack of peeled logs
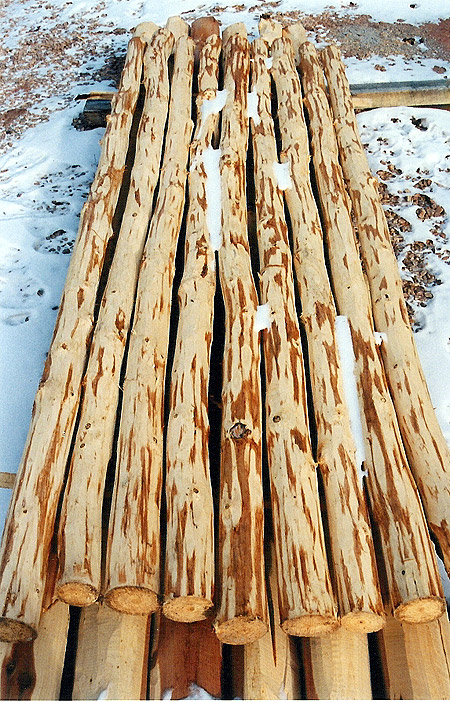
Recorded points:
(355,484)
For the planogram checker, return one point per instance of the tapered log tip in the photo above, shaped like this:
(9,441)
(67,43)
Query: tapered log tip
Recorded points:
(241,630)
(77,594)
(310,625)
(363,622)
(187,609)
(421,611)
(14,631)
(132,600)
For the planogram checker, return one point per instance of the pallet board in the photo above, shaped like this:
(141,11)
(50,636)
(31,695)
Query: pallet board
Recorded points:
(219,471)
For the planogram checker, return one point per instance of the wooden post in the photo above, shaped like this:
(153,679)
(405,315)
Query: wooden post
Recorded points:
(354,564)
(189,563)
(33,669)
(242,602)
(413,580)
(306,600)
(184,657)
(112,655)
(268,669)
(425,445)
(31,518)
(416,659)
(337,666)
(132,577)
(80,532)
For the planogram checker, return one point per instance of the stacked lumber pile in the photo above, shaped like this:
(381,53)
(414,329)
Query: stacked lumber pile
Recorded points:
(207,478)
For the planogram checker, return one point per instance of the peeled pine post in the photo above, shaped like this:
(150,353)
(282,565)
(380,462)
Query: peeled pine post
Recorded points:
(337,666)
(354,564)
(425,445)
(412,577)
(268,669)
(80,529)
(112,655)
(185,661)
(189,563)
(306,601)
(132,578)
(25,672)
(242,601)
(31,518)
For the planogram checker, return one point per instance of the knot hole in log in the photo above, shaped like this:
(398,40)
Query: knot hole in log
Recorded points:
(239,431)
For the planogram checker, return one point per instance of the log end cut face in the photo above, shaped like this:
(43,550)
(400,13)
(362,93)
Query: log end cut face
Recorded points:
(12,630)
(189,608)
(310,625)
(241,630)
(132,600)
(77,594)
(363,622)
(421,610)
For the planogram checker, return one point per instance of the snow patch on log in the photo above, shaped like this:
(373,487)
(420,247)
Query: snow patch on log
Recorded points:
(211,161)
(103,695)
(282,173)
(252,107)
(347,360)
(380,338)
(269,62)
(214,106)
(262,317)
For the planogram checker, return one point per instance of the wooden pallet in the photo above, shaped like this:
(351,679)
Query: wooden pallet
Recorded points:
(185,515)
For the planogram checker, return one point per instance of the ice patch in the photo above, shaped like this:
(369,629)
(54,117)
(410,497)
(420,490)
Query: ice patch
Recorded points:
(282,173)
(347,360)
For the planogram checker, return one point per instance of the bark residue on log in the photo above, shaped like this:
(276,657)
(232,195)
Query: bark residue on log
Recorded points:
(354,565)
(189,570)
(242,614)
(81,516)
(26,543)
(413,581)
(306,599)
(133,554)
(426,448)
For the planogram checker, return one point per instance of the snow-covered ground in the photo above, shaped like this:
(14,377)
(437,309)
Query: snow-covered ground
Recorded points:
(45,172)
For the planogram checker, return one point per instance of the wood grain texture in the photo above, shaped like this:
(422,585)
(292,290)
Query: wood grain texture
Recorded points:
(26,541)
(413,580)
(337,666)
(354,565)
(80,531)
(189,563)
(268,669)
(112,655)
(242,603)
(306,600)
(32,670)
(416,659)
(425,445)
(133,555)
(184,655)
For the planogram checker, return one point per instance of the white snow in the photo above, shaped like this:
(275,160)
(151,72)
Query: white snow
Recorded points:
(215,105)
(263,317)
(444,577)
(269,62)
(380,338)
(103,695)
(347,360)
(195,693)
(211,161)
(252,107)
(282,173)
